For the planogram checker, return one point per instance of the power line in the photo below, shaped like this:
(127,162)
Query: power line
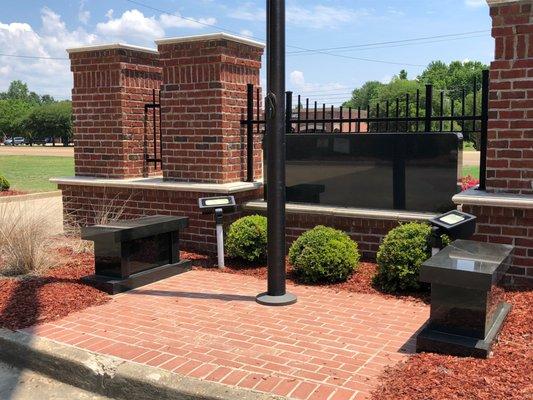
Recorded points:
(294,47)
(393,42)
(32,57)
(388,47)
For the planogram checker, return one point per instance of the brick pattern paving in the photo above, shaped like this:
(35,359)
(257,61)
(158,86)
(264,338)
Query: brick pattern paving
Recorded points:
(330,345)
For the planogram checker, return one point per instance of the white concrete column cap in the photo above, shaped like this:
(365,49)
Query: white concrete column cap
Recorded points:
(111,46)
(211,36)
(498,2)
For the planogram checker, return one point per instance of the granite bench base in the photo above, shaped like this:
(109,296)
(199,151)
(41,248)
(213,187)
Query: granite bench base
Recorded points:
(434,341)
(115,286)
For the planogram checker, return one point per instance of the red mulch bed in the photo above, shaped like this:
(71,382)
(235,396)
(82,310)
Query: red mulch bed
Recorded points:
(52,295)
(507,375)
(359,282)
(5,193)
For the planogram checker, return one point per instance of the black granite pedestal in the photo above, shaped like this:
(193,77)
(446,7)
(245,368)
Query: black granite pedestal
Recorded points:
(133,253)
(467,307)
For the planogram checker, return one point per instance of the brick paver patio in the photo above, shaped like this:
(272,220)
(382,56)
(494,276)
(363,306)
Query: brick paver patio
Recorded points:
(330,345)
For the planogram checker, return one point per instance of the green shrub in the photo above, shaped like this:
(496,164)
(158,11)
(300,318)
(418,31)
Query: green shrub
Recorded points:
(247,238)
(4,184)
(400,256)
(324,255)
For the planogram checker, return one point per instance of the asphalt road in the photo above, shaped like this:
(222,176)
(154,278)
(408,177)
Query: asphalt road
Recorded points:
(27,385)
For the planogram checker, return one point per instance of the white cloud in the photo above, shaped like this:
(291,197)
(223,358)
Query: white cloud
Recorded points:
(5,70)
(109,14)
(175,21)
(297,78)
(43,75)
(83,14)
(322,16)
(133,25)
(247,33)
(475,3)
(301,86)
(248,12)
(318,16)
(51,73)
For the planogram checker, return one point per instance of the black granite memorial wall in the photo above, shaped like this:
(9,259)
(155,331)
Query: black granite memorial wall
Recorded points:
(404,171)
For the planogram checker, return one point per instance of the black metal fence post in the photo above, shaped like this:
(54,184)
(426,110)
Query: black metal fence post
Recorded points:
(483,136)
(250,132)
(288,112)
(429,107)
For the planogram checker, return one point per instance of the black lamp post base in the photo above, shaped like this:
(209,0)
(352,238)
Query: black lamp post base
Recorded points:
(276,301)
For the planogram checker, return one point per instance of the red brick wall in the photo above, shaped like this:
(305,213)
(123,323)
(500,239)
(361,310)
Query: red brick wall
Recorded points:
(203,102)
(110,89)
(508,226)
(510,136)
(82,203)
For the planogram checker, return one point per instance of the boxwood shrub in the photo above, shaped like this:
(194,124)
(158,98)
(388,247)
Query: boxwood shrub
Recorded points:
(400,256)
(247,239)
(4,183)
(324,255)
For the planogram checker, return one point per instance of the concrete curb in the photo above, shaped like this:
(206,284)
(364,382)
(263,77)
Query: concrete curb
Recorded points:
(110,376)
(30,196)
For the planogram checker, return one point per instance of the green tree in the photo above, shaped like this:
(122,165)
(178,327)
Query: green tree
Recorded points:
(361,97)
(12,115)
(51,120)
(18,90)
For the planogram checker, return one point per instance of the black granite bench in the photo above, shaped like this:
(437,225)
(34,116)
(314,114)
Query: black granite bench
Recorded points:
(133,253)
(467,307)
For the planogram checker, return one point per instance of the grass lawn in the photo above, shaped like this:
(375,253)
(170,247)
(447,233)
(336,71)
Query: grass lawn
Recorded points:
(471,170)
(31,173)
(468,146)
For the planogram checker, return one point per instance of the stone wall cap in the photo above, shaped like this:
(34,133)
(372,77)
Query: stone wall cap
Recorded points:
(476,197)
(110,46)
(348,212)
(157,183)
(211,36)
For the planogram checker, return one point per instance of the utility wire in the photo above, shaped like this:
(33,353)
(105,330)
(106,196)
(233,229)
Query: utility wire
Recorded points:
(294,47)
(292,54)
(33,57)
(450,35)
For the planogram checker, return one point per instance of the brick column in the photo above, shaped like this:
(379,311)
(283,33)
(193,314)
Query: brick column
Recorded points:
(203,102)
(510,136)
(111,85)
(505,210)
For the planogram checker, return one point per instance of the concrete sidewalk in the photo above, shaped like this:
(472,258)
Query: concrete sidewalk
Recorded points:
(16,384)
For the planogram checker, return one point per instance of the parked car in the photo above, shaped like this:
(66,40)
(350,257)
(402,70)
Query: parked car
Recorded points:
(18,141)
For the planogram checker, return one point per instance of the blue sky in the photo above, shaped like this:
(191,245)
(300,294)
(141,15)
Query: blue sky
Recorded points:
(45,28)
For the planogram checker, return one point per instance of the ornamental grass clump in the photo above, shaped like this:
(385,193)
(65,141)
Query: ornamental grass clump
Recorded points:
(24,239)
(4,183)
(400,256)
(324,255)
(247,239)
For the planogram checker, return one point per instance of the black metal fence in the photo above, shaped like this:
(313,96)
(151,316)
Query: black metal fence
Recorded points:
(420,112)
(152,122)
